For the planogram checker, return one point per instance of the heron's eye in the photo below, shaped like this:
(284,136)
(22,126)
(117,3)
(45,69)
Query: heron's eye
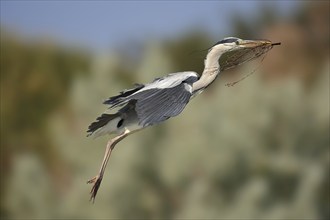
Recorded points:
(120,123)
(237,43)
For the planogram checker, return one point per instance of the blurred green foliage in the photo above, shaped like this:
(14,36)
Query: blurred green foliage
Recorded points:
(256,150)
(35,81)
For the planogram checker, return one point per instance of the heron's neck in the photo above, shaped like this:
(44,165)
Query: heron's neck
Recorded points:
(211,70)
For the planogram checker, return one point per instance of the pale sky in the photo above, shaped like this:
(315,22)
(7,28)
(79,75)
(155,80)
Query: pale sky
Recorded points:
(104,24)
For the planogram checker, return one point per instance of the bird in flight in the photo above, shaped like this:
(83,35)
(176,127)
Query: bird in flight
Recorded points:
(149,104)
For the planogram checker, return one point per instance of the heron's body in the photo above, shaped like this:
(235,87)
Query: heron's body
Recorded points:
(165,97)
(146,105)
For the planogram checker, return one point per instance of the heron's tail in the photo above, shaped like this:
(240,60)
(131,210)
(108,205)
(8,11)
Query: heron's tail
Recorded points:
(104,124)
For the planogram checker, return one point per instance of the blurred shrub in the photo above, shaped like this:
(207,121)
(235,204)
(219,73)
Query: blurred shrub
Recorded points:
(35,81)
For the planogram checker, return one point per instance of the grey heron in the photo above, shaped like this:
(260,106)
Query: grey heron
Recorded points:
(149,104)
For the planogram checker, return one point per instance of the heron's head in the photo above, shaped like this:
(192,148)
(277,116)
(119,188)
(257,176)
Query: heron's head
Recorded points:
(233,51)
(234,43)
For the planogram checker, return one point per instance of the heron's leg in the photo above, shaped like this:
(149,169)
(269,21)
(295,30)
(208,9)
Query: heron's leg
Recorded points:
(110,146)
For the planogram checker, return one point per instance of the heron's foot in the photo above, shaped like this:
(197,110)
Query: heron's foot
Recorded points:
(97,182)
(93,180)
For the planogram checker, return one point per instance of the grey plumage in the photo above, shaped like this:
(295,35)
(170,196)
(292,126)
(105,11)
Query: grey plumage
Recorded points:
(156,105)
(115,99)
(151,104)
(100,122)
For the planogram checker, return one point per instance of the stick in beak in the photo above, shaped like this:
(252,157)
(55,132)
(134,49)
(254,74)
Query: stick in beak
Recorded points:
(274,44)
(253,50)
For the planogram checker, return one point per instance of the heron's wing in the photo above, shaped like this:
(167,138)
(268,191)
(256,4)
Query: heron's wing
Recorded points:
(156,105)
(169,81)
(116,100)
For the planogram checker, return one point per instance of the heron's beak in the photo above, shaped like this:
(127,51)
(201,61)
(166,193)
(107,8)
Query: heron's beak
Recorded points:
(256,43)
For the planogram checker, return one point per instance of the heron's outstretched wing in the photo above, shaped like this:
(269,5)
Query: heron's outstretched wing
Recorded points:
(156,105)
(170,81)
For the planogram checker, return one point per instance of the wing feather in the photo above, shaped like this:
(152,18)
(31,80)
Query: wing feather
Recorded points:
(114,100)
(163,104)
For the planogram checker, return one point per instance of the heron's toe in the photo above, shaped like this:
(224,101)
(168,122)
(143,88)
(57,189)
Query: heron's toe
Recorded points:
(93,180)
